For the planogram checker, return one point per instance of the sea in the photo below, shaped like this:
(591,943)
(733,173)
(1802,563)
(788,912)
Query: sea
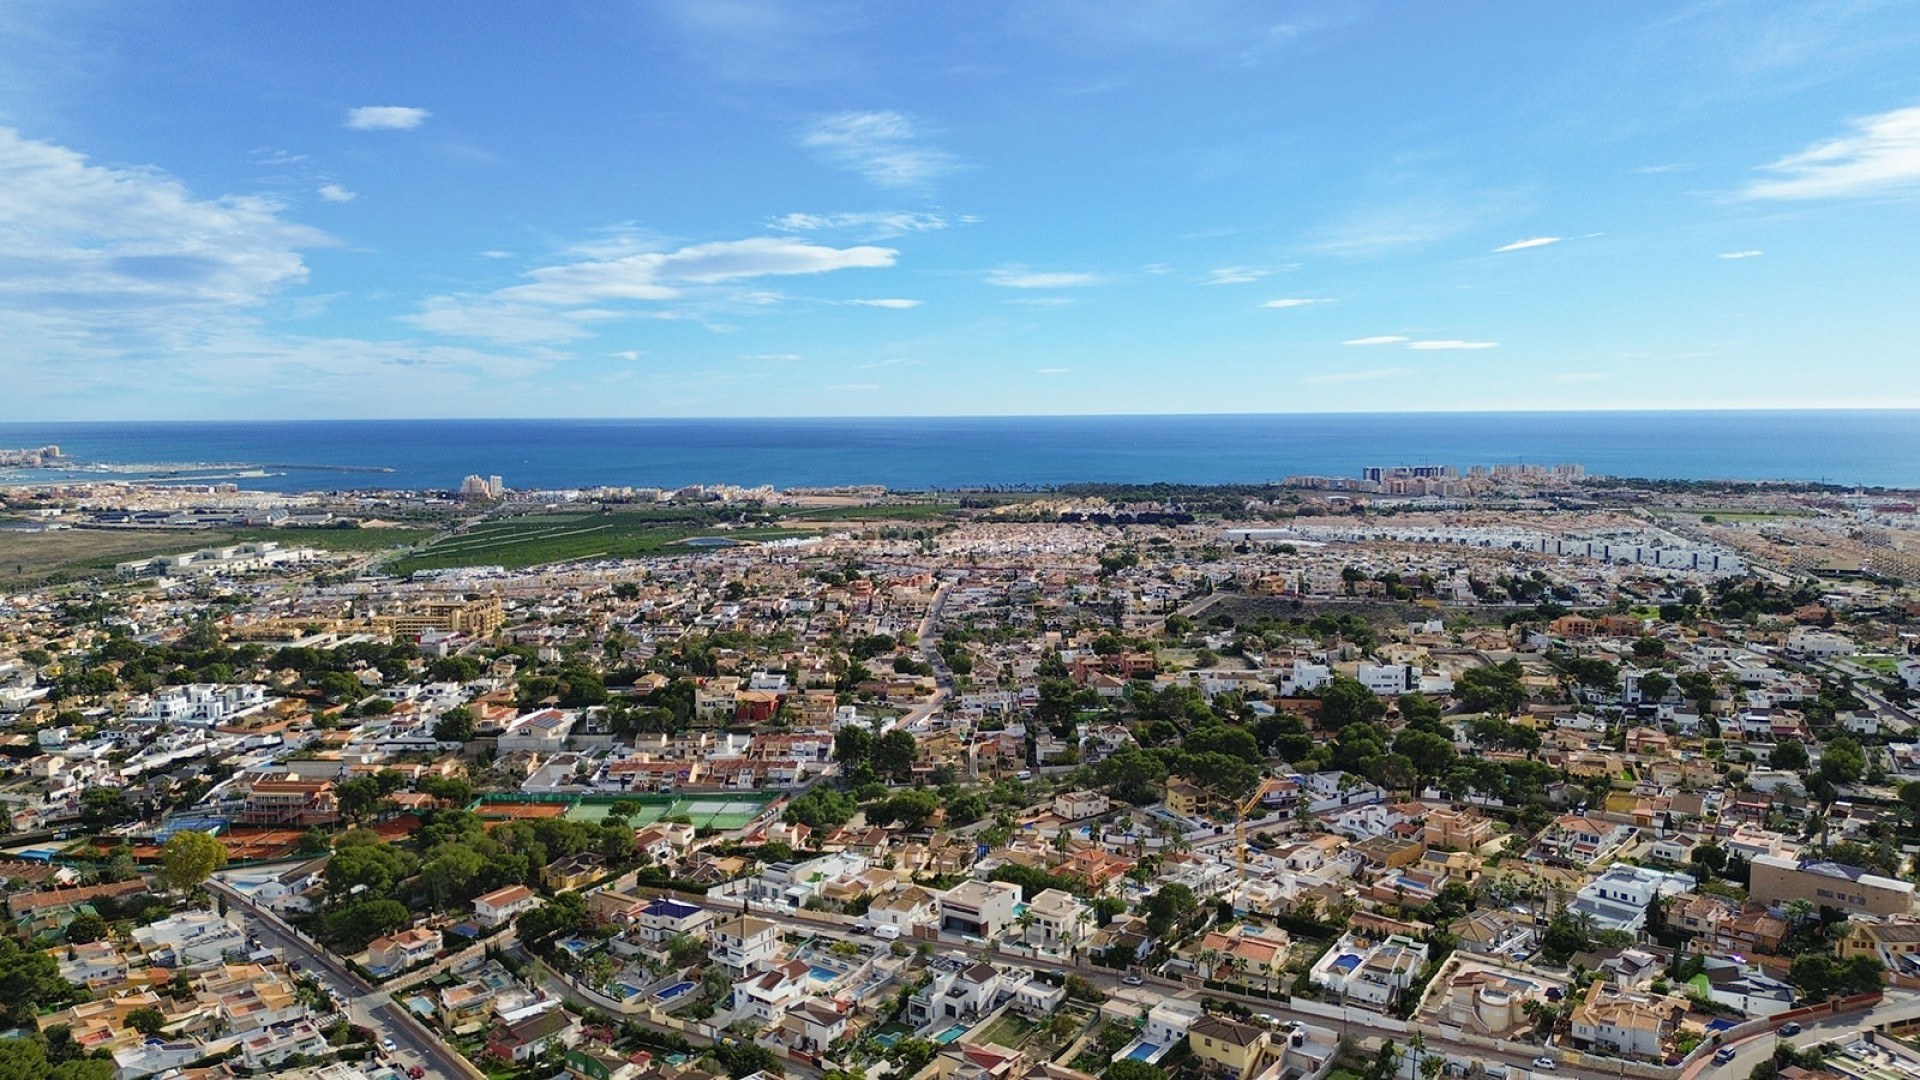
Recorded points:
(1872,448)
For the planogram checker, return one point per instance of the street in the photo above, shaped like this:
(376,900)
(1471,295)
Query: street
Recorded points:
(364,1005)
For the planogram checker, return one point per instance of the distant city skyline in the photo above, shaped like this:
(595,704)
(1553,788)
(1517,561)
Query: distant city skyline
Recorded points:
(736,208)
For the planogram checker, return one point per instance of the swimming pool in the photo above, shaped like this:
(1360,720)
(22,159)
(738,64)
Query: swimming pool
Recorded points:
(671,992)
(1347,962)
(887,1038)
(950,1034)
(1143,1051)
(824,974)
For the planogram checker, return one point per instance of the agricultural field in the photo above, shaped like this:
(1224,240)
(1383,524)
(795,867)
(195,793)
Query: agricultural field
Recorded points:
(537,539)
(884,512)
(32,558)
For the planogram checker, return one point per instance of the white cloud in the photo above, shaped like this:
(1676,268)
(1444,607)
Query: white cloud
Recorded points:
(1371,375)
(1522,245)
(89,239)
(1019,277)
(1580,377)
(1382,339)
(496,254)
(1052,370)
(1453,344)
(336,193)
(883,146)
(773,357)
(550,306)
(1236,275)
(1882,153)
(877,222)
(630,354)
(897,361)
(856,388)
(890,302)
(386,118)
(1741,254)
(1041,301)
(1291,302)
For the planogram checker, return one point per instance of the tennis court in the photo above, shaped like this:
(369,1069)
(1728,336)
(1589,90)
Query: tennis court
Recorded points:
(724,811)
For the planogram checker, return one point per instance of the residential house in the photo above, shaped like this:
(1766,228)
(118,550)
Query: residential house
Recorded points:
(1626,1023)
(527,1039)
(982,909)
(397,952)
(1235,1048)
(501,905)
(666,917)
(1057,922)
(744,944)
(766,995)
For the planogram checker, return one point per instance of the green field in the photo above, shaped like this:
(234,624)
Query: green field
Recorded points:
(536,539)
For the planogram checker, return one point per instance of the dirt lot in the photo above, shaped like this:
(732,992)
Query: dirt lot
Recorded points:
(28,558)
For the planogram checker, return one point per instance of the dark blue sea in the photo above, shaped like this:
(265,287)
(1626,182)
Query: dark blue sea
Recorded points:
(1873,448)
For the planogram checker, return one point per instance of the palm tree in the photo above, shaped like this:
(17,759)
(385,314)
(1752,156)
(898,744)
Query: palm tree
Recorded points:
(1208,958)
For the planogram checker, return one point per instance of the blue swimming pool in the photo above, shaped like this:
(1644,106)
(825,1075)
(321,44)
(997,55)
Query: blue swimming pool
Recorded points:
(1347,962)
(671,992)
(1143,1051)
(824,974)
(950,1034)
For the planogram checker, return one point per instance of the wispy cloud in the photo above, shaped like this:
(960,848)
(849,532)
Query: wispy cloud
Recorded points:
(1379,339)
(496,254)
(1293,302)
(1019,277)
(855,388)
(1881,153)
(884,147)
(1411,224)
(336,193)
(1041,301)
(1370,375)
(1236,275)
(897,361)
(386,118)
(1522,245)
(1453,344)
(1741,254)
(870,222)
(772,357)
(1655,170)
(887,302)
(1580,377)
(1052,371)
(558,301)
(629,354)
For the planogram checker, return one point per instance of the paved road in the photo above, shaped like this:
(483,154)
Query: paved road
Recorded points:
(365,1005)
(1896,1006)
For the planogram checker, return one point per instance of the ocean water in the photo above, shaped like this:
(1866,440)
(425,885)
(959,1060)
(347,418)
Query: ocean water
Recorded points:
(1873,447)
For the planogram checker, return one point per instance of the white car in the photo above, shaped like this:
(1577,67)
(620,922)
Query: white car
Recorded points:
(1544,1064)
(1133,980)
(387,1045)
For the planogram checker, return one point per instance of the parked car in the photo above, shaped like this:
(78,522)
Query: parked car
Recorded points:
(1791,1027)
(1544,1063)
(417,1072)
(1723,1055)
(1133,980)
(387,1045)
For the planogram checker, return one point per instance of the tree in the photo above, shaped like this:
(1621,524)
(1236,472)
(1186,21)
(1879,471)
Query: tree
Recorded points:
(454,725)
(1133,775)
(894,754)
(1654,687)
(1492,689)
(147,1020)
(1790,755)
(86,927)
(1169,907)
(104,806)
(685,950)
(1128,1069)
(29,980)
(743,1057)
(190,858)
(1346,701)
(1842,762)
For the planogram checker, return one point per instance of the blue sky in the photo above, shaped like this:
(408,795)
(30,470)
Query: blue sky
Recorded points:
(728,208)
